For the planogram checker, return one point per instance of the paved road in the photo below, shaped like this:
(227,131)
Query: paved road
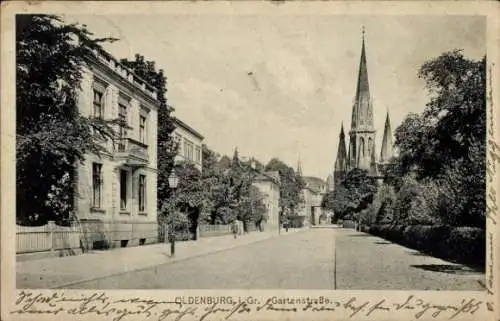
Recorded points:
(368,262)
(325,258)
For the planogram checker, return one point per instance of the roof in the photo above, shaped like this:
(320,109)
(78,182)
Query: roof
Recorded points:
(273,176)
(315,184)
(362,110)
(190,129)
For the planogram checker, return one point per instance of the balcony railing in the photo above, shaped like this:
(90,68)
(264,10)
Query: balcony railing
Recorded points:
(133,149)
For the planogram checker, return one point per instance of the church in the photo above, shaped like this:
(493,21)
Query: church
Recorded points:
(362,152)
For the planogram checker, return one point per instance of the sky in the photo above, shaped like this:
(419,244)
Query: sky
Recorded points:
(280,86)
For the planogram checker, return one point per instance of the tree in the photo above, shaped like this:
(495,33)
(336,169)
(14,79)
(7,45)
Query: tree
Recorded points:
(291,186)
(166,146)
(251,207)
(184,206)
(354,194)
(337,201)
(361,188)
(447,142)
(51,134)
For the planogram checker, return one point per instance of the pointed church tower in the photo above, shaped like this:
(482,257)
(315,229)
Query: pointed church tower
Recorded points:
(341,161)
(387,152)
(362,133)
(299,168)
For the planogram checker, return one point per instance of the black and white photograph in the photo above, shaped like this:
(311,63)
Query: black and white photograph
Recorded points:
(251,152)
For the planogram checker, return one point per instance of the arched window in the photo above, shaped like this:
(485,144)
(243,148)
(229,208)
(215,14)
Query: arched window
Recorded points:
(370,146)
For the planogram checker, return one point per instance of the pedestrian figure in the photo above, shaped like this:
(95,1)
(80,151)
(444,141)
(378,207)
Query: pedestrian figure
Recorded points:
(234,228)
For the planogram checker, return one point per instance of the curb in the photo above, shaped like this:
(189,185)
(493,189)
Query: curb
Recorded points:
(60,286)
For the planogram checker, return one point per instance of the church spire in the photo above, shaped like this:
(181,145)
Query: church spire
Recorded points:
(362,113)
(341,161)
(386,152)
(299,168)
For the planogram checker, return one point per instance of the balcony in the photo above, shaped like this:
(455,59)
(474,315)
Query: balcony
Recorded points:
(133,151)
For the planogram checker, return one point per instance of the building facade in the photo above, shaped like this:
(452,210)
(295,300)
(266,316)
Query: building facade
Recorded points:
(116,191)
(190,144)
(313,193)
(268,184)
(362,150)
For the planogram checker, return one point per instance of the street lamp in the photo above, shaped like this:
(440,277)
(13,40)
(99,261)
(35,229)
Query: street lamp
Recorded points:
(280,209)
(173,181)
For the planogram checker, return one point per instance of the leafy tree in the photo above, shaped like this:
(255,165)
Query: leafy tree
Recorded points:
(361,188)
(224,162)
(458,102)
(251,207)
(354,194)
(166,146)
(291,186)
(185,204)
(337,201)
(414,205)
(51,134)
(447,142)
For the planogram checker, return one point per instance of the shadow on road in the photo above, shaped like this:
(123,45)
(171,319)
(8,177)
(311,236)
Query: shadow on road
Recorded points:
(383,243)
(360,235)
(446,268)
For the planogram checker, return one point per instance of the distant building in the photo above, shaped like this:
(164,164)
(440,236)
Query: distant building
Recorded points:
(268,184)
(313,192)
(362,150)
(190,142)
(116,193)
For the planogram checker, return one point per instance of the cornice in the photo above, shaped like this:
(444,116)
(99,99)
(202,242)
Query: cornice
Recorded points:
(105,71)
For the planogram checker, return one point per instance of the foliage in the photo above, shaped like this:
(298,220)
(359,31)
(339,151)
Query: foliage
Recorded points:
(187,201)
(460,244)
(445,146)
(166,146)
(251,207)
(51,134)
(383,206)
(353,195)
(415,205)
(337,201)
(228,191)
(291,186)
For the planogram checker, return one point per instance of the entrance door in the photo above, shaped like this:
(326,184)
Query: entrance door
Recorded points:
(313,216)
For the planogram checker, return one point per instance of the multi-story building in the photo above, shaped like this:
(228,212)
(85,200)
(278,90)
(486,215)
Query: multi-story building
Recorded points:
(190,144)
(268,184)
(116,198)
(313,193)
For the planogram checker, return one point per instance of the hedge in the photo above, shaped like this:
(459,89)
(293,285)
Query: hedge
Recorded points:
(461,244)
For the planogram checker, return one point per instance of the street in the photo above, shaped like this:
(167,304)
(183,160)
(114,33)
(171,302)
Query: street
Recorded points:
(320,258)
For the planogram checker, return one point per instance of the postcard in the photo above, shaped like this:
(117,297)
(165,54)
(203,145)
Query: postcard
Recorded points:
(250,160)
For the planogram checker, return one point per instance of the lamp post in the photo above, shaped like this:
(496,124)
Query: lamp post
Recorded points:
(280,208)
(173,180)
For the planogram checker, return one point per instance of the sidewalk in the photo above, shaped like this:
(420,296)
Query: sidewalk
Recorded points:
(63,271)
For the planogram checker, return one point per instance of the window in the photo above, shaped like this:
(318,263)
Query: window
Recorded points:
(142,129)
(198,154)
(96,185)
(188,150)
(98,104)
(122,116)
(142,193)
(123,189)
